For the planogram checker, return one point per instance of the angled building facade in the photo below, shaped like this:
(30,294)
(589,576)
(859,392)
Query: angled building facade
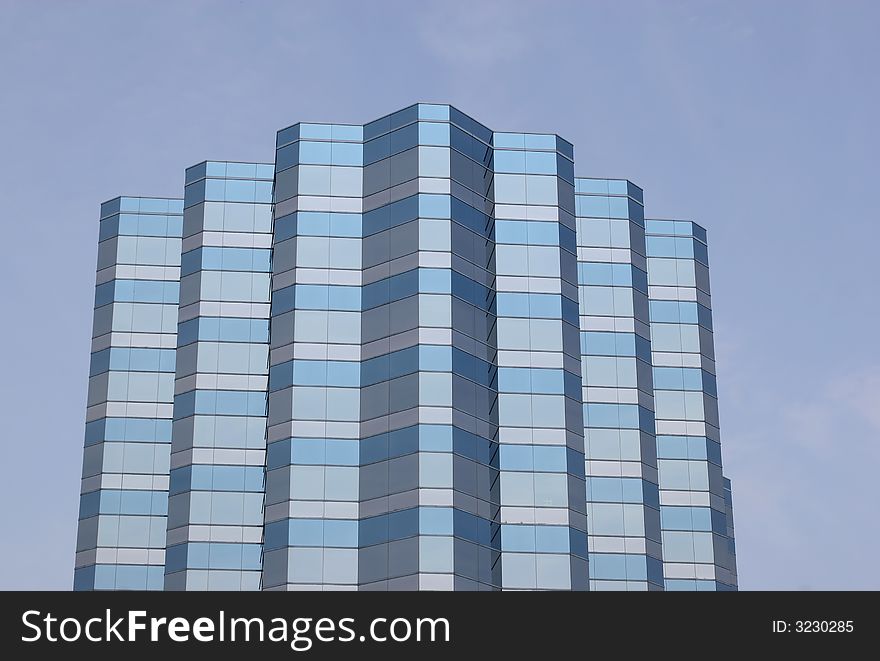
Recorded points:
(695,504)
(126,459)
(415,354)
(622,483)
(218,449)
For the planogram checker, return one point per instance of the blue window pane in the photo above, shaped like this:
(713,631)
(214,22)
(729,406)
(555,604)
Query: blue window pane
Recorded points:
(317,153)
(435,520)
(432,133)
(434,206)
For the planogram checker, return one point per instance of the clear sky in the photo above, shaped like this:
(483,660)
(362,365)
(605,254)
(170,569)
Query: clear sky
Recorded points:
(756,119)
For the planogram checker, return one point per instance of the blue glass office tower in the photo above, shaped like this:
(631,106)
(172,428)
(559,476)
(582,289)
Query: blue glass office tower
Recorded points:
(215,505)
(695,505)
(313,467)
(122,516)
(622,485)
(414,354)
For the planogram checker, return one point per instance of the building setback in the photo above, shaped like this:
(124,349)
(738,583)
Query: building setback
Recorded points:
(415,354)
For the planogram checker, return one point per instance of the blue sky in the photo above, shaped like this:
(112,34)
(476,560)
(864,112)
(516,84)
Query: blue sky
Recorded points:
(755,119)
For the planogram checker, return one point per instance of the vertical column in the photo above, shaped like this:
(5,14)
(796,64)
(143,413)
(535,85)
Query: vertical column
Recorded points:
(693,498)
(731,532)
(311,533)
(215,507)
(123,506)
(623,509)
(426,434)
(540,422)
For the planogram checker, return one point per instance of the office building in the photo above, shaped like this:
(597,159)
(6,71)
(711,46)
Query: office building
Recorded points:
(414,354)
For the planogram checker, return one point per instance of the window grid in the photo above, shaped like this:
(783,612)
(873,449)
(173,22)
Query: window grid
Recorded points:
(410,354)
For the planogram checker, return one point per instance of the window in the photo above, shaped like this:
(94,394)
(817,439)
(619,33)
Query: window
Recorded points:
(433,161)
(683,475)
(671,272)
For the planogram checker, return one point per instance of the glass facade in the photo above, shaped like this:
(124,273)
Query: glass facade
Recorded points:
(215,507)
(414,354)
(540,420)
(695,502)
(124,498)
(622,489)
(312,469)
(425,405)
